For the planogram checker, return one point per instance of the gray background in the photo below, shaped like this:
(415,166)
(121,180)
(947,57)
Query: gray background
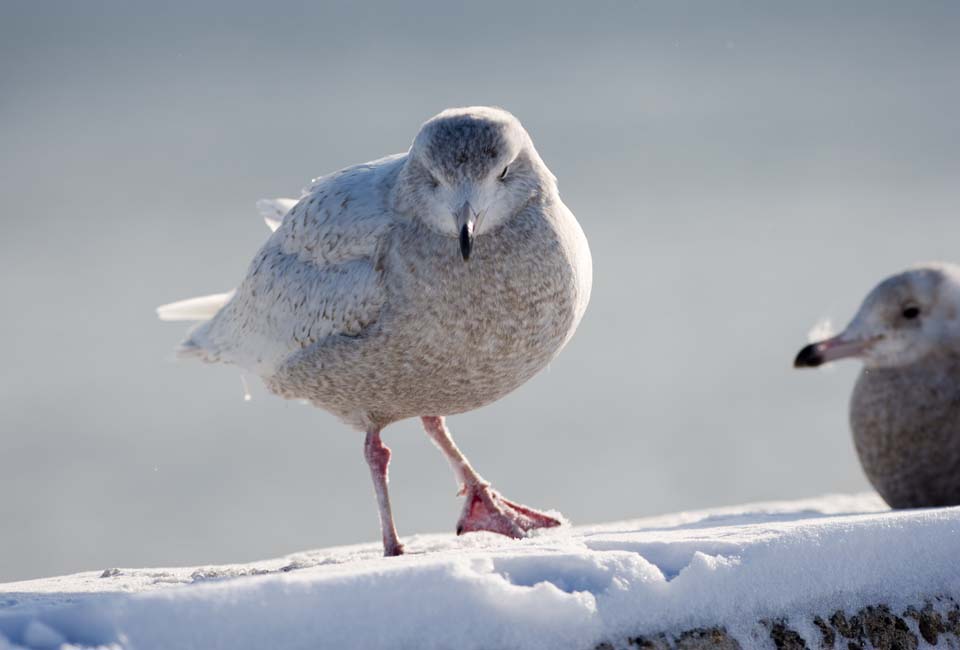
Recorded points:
(741,170)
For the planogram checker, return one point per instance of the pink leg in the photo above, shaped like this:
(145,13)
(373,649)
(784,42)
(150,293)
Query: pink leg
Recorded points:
(484,509)
(378,457)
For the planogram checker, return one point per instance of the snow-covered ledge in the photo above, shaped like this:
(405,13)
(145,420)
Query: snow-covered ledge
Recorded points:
(838,571)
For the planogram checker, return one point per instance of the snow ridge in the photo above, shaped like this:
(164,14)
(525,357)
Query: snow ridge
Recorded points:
(570,588)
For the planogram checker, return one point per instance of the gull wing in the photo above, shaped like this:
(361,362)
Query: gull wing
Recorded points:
(316,276)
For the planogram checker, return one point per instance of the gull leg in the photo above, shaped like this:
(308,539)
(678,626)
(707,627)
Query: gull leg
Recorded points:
(484,508)
(378,457)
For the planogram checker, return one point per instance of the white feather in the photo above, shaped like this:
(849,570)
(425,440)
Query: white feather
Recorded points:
(274,210)
(199,308)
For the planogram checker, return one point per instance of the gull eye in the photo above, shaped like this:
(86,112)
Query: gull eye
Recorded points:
(434,183)
(910,312)
(503,174)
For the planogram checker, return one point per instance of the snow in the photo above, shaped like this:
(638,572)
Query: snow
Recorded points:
(571,587)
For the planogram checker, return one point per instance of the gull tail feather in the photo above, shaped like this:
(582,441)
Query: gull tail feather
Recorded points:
(274,210)
(200,308)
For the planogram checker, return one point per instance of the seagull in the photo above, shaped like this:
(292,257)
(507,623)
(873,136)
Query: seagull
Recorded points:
(423,284)
(905,409)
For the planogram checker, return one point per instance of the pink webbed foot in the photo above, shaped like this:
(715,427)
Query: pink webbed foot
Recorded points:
(486,510)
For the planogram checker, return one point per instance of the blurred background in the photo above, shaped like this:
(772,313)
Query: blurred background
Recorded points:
(741,170)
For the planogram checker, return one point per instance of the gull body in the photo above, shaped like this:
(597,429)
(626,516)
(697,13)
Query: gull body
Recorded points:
(423,284)
(905,407)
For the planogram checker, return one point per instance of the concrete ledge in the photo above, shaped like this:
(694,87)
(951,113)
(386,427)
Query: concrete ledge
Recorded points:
(934,623)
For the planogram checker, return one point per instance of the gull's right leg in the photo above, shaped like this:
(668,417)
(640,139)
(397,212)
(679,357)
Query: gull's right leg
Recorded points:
(484,508)
(378,457)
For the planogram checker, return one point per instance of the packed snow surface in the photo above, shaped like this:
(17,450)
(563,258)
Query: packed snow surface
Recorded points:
(566,588)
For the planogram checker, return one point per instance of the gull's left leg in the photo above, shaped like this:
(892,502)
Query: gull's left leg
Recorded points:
(484,509)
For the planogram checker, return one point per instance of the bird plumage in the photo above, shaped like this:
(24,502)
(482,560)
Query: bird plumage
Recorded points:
(313,278)
(274,210)
(193,309)
(422,284)
(905,407)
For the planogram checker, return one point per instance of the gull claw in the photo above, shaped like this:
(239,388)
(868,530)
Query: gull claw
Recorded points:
(486,510)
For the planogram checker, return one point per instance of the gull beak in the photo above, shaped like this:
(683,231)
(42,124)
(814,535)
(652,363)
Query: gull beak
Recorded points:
(466,222)
(838,347)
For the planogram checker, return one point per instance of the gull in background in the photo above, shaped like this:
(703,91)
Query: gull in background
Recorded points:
(905,408)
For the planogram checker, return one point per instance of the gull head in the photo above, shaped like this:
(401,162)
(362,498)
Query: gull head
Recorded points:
(904,319)
(469,171)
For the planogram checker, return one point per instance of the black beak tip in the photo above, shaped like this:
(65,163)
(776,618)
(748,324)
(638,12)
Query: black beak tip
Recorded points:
(466,243)
(808,357)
